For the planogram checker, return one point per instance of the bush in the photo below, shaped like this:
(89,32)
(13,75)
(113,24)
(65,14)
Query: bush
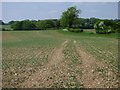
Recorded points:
(6,29)
(23,25)
(75,30)
(107,26)
(81,30)
(102,28)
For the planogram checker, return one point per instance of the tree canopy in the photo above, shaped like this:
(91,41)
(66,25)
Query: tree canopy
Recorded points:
(106,26)
(69,17)
(23,25)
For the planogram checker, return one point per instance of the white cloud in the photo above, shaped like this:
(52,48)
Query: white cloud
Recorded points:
(60,0)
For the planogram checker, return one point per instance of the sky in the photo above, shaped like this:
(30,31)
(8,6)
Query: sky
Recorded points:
(53,10)
(59,0)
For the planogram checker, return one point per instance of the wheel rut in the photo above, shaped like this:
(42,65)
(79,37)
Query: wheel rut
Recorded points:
(44,77)
(55,73)
(95,73)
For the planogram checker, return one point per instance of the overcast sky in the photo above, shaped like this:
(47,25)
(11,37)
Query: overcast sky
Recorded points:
(53,10)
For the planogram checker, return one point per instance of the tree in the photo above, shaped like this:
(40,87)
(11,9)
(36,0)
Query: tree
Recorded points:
(104,27)
(1,22)
(41,24)
(23,25)
(28,25)
(56,23)
(11,22)
(49,23)
(17,25)
(116,26)
(69,17)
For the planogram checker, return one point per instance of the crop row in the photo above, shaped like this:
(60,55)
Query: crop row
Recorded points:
(104,49)
(74,63)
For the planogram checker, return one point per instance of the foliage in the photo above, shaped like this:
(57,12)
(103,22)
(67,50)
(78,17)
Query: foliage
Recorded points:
(26,25)
(69,17)
(102,27)
(81,23)
(33,25)
(41,24)
(11,22)
(1,22)
(5,28)
(75,30)
(117,26)
(23,25)
(44,24)
(107,26)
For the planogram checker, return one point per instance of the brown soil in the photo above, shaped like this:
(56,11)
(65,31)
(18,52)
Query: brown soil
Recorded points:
(93,71)
(56,72)
(46,76)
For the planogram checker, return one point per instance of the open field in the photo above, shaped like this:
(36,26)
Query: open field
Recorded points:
(5,26)
(58,59)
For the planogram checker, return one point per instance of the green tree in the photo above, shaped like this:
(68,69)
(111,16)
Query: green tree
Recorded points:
(1,22)
(17,25)
(50,23)
(117,26)
(56,23)
(11,22)
(69,17)
(28,25)
(23,25)
(104,27)
(41,24)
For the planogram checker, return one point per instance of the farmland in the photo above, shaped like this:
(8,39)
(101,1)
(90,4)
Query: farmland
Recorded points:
(58,59)
(5,27)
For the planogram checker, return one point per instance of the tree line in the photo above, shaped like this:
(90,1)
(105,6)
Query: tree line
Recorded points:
(34,25)
(83,23)
(69,20)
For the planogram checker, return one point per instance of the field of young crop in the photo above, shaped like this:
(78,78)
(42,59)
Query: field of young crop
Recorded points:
(58,59)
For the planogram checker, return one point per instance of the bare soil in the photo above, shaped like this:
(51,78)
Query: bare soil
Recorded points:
(47,74)
(95,73)
(57,74)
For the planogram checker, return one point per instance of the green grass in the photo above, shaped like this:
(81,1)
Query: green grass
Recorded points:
(87,33)
(5,26)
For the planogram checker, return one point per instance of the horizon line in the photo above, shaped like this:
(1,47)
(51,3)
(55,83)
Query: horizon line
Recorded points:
(58,19)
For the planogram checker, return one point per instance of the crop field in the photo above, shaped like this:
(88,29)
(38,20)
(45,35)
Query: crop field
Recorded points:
(59,59)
